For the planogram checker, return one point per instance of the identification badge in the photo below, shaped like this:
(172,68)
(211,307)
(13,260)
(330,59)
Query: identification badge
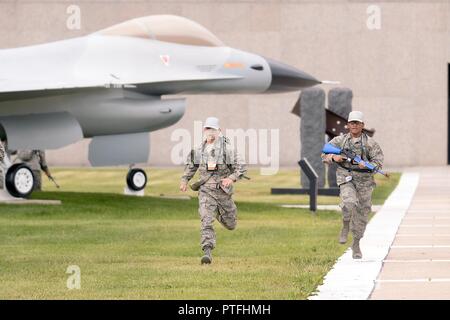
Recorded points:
(211,165)
(348,178)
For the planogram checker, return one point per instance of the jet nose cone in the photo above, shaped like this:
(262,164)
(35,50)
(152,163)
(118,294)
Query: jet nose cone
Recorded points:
(287,78)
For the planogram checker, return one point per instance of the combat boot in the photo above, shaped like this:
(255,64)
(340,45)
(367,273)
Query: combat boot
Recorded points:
(357,254)
(344,232)
(207,258)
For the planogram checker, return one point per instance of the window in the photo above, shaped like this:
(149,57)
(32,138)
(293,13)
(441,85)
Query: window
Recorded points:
(166,28)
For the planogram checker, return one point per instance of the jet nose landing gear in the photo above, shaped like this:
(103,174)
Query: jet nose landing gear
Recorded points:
(136,179)
(19,180)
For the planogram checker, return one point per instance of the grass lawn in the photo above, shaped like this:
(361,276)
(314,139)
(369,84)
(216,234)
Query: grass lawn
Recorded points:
(148,248)
(163,181)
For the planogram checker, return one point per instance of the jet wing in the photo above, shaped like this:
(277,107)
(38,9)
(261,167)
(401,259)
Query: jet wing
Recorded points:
(16,89)
(55,130)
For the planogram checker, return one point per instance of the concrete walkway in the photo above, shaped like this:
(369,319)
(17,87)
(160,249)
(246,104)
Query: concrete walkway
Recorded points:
(418,263)
(351,279)
(406,246)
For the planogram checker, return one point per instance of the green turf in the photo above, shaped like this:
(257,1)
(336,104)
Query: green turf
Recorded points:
(166,181)
(148,248)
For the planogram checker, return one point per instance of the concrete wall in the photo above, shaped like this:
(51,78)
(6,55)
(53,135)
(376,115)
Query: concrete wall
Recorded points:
(398,74)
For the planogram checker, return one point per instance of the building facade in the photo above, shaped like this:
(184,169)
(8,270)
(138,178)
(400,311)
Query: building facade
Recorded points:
(394,55)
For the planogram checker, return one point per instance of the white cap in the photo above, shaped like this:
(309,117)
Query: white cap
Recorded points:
(212,122)
(356,116)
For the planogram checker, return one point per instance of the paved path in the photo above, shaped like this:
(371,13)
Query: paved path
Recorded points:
(355,279)
(418,263)
(406,246)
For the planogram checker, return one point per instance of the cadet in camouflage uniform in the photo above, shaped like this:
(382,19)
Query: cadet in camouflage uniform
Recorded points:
(35,159)
(219,168)
(3,166)
(356,182)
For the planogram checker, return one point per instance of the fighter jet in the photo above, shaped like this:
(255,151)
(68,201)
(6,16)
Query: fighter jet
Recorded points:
(108,86)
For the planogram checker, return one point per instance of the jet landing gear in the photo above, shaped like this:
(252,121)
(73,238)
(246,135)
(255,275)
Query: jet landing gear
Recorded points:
(136,182)
(19,180)
(136,179)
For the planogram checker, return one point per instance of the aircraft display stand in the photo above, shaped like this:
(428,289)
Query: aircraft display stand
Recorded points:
(6,198)
(128,192)
(135,182)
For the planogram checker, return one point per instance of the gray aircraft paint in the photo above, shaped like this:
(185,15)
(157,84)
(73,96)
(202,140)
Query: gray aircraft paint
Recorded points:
(111,85)
(120,149)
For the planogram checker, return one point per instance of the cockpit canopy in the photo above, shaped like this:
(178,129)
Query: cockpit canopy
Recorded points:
(166,28)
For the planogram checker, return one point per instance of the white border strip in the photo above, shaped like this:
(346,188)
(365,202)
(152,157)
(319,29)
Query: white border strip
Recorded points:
(351,279)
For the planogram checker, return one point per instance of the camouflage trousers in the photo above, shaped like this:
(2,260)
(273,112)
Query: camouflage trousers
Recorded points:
(215,204)
(356,204)
(37,180)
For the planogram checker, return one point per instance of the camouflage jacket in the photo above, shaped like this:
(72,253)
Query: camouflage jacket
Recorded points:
(366,147)
(2,153)
(35,159)
(229,163)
